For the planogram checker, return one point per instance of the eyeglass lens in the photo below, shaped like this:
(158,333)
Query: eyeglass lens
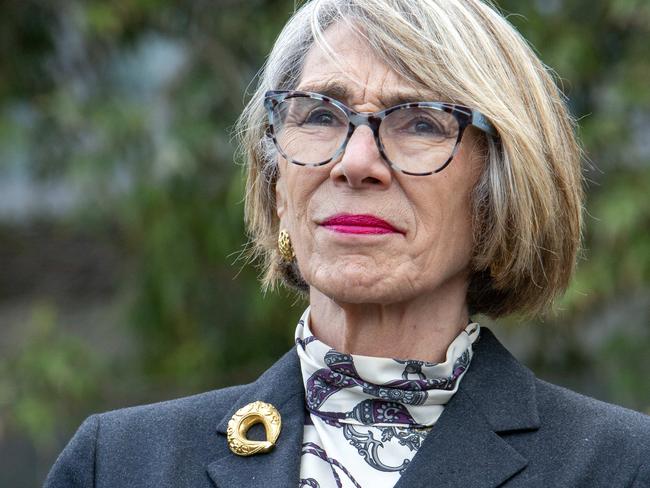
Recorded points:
(415,139)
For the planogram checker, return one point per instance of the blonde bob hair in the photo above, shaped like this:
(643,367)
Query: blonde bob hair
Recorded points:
(527,203)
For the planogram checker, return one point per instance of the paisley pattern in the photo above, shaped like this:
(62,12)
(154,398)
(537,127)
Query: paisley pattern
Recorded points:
(369,416)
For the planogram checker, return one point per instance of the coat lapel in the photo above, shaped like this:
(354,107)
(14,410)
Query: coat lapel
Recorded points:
(281,386)
(466,446)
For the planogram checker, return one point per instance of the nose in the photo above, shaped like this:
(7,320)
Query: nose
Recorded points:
(361,165)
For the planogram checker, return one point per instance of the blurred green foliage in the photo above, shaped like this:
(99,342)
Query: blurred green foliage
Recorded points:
(48,378)
(129,106)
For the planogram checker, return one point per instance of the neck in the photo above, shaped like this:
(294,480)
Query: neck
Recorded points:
(421,328)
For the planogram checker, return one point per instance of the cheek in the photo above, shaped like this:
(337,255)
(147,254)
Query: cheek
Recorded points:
(297,203)
(444,234)
(300,185)
(286,197)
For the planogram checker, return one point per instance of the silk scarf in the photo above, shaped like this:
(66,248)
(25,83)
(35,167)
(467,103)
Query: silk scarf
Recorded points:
(368,416)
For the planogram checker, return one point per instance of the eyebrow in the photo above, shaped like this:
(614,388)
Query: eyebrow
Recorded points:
(340,92)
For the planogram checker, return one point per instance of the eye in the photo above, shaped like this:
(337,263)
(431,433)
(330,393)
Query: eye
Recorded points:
(322,116)
(426,126)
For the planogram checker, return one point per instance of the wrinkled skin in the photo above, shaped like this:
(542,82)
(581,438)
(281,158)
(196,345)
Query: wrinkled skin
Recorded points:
(399,294)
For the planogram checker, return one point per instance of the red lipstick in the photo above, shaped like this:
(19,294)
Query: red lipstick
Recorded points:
(359,224)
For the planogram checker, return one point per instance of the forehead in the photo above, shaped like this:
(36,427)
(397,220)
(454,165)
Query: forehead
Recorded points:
(348,70)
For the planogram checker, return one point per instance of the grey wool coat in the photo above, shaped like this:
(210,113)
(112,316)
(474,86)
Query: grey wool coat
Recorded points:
(504,427)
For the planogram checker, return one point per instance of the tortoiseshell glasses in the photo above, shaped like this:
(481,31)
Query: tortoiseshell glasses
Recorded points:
(421,138)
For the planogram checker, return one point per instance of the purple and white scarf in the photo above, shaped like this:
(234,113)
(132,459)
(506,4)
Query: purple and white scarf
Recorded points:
(368,416)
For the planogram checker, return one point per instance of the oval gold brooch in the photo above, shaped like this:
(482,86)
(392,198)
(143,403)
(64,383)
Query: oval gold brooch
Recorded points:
(247,416)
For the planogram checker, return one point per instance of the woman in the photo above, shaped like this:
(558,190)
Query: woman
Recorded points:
(410,164)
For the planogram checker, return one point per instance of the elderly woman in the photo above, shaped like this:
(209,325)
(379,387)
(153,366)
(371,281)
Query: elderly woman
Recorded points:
(410,164)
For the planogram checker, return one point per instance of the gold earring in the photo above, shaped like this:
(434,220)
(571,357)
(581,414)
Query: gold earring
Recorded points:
(284,246)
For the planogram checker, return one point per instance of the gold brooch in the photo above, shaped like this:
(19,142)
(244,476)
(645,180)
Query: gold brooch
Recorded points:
(247,416)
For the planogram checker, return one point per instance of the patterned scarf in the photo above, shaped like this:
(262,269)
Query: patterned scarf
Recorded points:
(368,415)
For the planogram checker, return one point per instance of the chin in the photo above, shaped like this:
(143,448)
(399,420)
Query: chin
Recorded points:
(351,284)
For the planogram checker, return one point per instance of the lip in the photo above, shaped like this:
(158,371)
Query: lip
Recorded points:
(359,224)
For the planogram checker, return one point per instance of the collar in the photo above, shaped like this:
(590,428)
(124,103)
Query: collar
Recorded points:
(496,396)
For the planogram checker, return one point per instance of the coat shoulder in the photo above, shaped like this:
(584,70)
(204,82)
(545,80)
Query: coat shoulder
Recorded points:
(180,414)
(185,426)
(137,446)
(573,409)
(165,444)
(611,440)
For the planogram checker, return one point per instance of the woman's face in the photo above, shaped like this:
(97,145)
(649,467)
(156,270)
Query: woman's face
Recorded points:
(430,249)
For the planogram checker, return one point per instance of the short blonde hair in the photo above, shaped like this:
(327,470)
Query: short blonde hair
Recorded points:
(527,204)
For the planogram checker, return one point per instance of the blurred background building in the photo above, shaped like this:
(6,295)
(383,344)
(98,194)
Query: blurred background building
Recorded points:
(121,280)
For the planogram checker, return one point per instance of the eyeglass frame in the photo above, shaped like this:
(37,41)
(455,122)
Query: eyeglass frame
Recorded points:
(465,116)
